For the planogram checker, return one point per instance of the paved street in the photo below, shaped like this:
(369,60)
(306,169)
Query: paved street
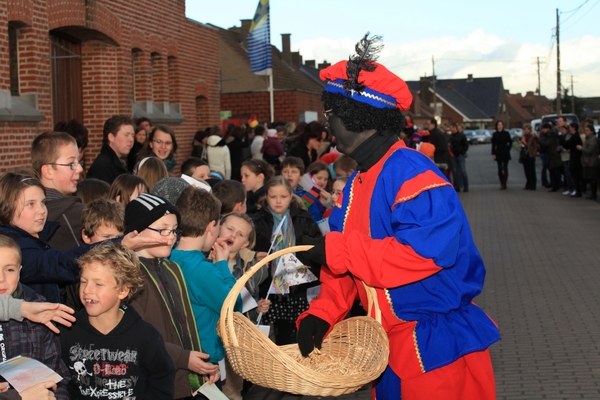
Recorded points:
(542,257)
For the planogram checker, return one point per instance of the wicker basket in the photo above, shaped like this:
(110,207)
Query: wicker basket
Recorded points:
(354,353)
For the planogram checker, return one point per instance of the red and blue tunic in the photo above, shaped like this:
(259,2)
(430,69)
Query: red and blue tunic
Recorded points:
(401,229)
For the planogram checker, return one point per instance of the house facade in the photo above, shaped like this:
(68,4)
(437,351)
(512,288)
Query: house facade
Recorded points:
(91,59)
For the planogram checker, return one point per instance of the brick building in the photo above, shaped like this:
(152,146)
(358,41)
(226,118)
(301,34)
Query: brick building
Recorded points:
(296,90)
(91,59)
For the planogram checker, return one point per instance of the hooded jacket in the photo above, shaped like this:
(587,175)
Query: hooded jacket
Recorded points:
(66,210)
(218,156)
(131,361)
(44,268)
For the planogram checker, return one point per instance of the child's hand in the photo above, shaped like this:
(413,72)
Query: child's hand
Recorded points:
(134,241)
(324,196)
(263,306)
(220,250)
(260,255)
(197,364)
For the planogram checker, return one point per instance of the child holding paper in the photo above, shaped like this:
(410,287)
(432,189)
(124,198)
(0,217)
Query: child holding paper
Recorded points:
(281,222)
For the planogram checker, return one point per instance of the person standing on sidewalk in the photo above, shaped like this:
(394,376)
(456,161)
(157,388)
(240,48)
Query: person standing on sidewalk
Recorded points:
(501,145)
(528,141)
(459,146)
(551,143)
(589,159)
(399,227)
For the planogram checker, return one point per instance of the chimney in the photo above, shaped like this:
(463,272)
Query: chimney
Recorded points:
(470,78)
(286,54)
(246,23)
(297,59)
(324,65)
(310,63)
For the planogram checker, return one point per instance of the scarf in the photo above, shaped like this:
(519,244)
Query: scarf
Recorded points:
(286,237)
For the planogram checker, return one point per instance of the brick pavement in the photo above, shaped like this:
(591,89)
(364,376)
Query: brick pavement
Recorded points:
(541,252)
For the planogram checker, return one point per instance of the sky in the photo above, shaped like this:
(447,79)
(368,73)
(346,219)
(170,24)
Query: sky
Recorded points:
(483,38)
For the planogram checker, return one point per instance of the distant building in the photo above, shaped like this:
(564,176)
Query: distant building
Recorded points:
(89,60)
(474,102)
(297,88)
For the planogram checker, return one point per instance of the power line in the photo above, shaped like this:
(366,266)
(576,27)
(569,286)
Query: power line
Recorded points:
(575,9)
(584,15)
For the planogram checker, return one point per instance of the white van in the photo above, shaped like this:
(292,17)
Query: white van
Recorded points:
(536,124)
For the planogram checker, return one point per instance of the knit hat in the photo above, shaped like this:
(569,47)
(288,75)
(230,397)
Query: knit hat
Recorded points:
(271,132)
(364,80)
(170,188)
(427,148)
(142,211)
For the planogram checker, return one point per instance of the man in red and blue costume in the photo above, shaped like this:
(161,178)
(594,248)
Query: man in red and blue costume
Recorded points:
(399,227)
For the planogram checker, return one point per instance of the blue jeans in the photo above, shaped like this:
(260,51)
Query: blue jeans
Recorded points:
(461,180)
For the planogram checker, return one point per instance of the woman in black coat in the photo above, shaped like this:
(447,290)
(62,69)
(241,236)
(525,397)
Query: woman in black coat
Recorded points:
(236,142)
(501,145)
(308,144)
(570,142)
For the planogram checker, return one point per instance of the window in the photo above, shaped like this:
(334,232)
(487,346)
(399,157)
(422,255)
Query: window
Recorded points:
(13,59)
(67,94)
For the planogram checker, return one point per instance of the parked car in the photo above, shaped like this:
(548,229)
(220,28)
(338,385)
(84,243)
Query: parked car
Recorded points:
(553,118)
(470,135)
(483,136)
(516,133)
(536,124)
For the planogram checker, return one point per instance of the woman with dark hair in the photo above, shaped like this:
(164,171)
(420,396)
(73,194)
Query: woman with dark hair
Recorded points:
(308,144)
(199,145)
(501,145)
(237,144)
(161,143)
(589,159)
(571,141)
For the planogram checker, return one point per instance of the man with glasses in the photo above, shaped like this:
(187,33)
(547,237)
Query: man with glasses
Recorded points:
(399,228)
(55,160)
(117,142)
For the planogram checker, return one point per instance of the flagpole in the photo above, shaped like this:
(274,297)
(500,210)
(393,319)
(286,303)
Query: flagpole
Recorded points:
(271,96)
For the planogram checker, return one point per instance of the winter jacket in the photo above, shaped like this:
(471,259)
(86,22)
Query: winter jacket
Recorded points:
(33,340)
(131,361)
(589,152)
(300,150)
(208,285)
(263,224)
(66,210)
(252,199)
(550,142)
(256,147)
(45,268)
(238,153)
(107,166)
(218,156)
(172,317)
(501,145)
(570,142)
(273,147)
(459,144)
(440,141)
(531,144)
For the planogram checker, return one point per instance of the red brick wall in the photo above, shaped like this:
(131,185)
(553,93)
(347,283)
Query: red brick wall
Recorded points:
(187,57)
(287,105)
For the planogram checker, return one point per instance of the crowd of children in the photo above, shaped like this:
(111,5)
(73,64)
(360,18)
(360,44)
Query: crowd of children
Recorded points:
(147,261)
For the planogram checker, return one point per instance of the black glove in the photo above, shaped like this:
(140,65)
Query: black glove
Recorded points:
(310,334)
(317,253)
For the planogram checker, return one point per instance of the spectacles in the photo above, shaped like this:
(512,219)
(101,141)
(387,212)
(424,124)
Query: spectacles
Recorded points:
(166,232)
(162,143)
(326,113)
(73,166)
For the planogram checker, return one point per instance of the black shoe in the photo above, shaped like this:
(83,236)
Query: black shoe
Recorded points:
(590,197)
(576,195)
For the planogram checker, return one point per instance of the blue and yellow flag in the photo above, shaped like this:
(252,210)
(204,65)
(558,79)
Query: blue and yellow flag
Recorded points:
(259,40)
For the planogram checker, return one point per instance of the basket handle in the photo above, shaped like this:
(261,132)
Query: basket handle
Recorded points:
(373,302)
(229,303)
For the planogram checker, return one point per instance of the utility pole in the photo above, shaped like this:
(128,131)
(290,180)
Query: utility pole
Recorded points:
(572,97)
(434,93)
(558,85)
(539,88)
